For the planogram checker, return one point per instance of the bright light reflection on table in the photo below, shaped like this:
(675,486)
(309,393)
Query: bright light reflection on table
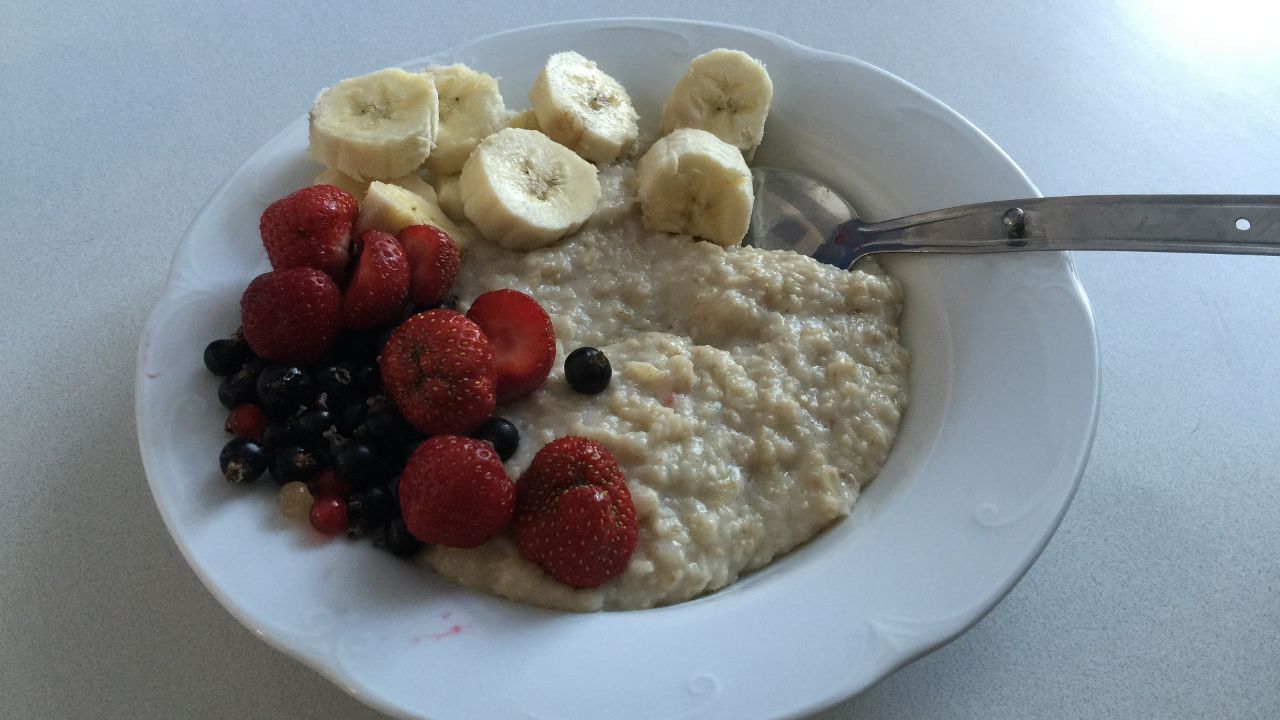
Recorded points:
(1223,28)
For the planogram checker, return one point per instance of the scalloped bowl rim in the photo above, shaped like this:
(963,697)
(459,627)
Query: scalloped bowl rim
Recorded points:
(940,636)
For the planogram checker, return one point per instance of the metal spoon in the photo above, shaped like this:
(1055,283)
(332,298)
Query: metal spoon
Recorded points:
(795,212)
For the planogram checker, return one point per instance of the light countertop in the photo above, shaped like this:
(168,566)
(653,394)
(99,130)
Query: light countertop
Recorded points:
(1159,596)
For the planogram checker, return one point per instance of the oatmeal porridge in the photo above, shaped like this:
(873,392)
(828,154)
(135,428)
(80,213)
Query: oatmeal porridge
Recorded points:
(754,393)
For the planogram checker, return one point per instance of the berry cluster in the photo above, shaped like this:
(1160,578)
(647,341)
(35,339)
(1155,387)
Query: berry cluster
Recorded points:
(326,433)
(359,387)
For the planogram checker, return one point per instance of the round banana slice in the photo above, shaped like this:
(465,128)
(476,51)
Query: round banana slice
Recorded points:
(725,92)
(693,183)
(582,108)
(471,109)
(524,191)
(376,126)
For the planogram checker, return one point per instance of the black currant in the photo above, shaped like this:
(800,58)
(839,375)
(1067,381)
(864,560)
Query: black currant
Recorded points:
(276,436)
(353,415)
(359,463)
(334,382)
(242,461)
(238,389)
(368,378)
(310,424)
(399,541)
(282,389)
(370,509)
(293,463)
(449,302)
(227,355)
(384,424)
(501,434)
(587,370)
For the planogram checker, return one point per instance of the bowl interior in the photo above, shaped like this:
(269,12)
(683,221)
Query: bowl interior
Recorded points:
(1003,400)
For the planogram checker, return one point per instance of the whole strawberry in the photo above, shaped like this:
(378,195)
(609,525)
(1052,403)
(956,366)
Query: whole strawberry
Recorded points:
(455,492)
(574,515)
(379,286)
(438,368)
(524,343)
(291,315)
(310,228)
(434,262)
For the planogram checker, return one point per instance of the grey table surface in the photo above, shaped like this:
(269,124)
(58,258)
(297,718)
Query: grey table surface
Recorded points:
(1160,594)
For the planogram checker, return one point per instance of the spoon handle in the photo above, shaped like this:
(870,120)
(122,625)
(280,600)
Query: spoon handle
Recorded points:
(1235,224)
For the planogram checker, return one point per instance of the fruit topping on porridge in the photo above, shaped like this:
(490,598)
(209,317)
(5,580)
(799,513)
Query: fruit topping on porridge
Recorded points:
(528,350)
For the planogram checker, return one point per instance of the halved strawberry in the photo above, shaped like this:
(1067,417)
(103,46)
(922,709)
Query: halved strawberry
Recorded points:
(524,343)
(434,262)
(380,284)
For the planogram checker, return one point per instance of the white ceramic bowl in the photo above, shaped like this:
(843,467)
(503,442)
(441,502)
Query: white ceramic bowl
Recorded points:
(1004,388)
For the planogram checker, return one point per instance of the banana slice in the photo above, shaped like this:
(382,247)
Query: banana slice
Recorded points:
(525,120)
(582,108)
(471,109)
(413,182)
(358,188)
(449,195)
(376,126)
(524,191)
(725,92)
(694,183)
(391,208)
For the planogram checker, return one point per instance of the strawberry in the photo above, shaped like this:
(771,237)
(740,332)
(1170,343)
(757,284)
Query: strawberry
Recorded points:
(291,315)
(524,343)
(380,284)
(310,228)
(455,492)
(438,368)
(574,515)
(433,262)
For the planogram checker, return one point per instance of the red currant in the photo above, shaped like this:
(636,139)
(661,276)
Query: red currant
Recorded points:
(247,421)
(329,515)
(329,482)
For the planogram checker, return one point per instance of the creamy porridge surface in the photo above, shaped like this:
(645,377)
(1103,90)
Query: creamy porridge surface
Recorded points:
(754,392)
